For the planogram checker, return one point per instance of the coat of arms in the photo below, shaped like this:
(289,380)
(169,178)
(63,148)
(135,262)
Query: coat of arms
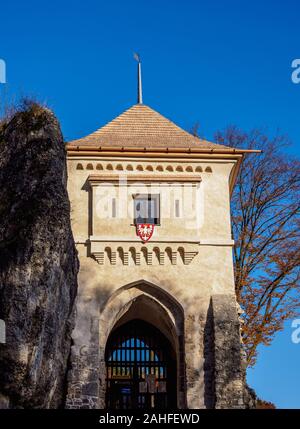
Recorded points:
(144,231)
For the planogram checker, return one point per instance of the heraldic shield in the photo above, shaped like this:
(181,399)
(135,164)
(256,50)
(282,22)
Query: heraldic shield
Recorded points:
(144,231)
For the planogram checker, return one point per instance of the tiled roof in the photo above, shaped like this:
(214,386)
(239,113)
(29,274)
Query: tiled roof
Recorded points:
(141,126)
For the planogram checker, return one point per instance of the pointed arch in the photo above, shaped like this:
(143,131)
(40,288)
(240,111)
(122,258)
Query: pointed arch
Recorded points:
(154,305)
(124,294)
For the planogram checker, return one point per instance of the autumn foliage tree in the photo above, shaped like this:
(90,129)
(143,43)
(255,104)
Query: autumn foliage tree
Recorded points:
(266,228)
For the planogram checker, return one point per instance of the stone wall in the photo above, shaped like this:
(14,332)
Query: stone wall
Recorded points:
(229,368)
(84,363)
(83,382)
(211,371)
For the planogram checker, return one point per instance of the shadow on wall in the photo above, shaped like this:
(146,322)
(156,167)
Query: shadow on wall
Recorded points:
(209,359)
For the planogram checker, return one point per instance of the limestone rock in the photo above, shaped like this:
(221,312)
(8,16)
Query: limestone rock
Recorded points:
(38,261)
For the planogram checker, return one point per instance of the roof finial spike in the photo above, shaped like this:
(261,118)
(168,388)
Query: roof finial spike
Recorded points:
(139,76)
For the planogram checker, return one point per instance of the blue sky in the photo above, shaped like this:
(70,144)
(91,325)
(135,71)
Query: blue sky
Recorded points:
(212,62)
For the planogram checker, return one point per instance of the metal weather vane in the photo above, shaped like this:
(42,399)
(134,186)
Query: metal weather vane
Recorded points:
(139,79)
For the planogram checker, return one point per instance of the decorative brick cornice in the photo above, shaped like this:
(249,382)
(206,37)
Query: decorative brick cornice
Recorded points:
(136,255)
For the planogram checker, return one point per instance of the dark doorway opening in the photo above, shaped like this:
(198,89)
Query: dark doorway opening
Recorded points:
(140,368)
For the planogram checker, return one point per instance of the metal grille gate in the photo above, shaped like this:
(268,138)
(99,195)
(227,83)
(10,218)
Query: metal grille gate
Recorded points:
(140,370)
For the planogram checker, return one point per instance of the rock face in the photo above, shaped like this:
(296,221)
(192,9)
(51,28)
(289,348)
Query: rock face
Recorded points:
(38,261)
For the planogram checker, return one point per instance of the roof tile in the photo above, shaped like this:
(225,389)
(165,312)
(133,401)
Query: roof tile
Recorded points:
(141,126)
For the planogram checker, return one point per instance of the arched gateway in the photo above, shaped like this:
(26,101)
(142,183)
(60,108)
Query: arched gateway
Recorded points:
(140,368)
(151,210)
(141,348)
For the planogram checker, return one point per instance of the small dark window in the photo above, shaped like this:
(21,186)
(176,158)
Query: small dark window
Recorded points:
(146,209)
(114,208)
(177,208)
